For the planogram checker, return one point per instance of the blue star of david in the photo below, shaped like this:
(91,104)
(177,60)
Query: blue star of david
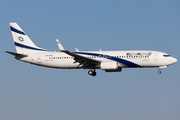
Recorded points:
(20,39)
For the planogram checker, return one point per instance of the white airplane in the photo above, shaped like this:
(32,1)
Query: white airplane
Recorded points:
(110,61)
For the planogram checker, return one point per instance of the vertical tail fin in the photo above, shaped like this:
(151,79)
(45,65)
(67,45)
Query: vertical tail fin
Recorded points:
(22,42)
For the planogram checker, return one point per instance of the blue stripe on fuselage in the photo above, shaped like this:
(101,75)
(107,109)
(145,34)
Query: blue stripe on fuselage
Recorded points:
(27,47)
(125,62)
(17,31)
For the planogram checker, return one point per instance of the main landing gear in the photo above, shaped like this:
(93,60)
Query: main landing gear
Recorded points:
(92,72)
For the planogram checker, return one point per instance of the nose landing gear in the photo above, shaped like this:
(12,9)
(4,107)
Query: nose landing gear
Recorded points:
(159,71)
(92,72)
(161,68)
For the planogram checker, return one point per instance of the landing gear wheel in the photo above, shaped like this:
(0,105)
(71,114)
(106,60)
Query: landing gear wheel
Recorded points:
(91,72)
(159,72)
(94,73)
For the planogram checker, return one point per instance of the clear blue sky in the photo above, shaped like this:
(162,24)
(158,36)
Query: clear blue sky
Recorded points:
(29,92)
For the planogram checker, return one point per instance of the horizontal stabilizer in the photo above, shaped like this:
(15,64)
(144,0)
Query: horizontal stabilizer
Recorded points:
(16,54)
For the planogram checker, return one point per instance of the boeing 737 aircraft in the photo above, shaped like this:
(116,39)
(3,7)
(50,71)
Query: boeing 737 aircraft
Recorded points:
(109,61)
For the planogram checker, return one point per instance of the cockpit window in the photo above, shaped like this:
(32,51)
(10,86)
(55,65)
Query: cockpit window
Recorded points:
(166,55)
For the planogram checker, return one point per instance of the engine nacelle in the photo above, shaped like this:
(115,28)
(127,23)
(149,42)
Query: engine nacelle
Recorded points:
(110,67)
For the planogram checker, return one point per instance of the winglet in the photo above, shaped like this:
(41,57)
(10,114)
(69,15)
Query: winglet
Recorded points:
(60,45)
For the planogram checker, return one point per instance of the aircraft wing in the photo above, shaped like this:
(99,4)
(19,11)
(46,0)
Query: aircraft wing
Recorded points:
(84,61)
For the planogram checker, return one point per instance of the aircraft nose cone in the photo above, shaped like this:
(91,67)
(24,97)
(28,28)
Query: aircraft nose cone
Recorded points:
(174,60)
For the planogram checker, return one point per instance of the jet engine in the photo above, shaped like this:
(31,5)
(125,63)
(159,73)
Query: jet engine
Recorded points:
(110,67)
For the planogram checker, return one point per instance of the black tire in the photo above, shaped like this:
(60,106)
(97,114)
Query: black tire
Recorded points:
(94,73)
